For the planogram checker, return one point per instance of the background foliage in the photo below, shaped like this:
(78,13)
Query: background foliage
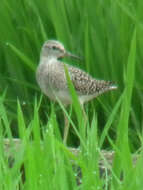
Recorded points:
(108,35)
(98,31)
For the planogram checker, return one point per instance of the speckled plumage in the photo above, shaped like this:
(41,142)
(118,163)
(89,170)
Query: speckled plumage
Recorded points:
(52,79)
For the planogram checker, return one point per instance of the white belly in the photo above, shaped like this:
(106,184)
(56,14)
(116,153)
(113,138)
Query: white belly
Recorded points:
(62,96)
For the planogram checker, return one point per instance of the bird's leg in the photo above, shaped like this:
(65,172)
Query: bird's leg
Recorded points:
(84,114)
(66,128)
(83,123)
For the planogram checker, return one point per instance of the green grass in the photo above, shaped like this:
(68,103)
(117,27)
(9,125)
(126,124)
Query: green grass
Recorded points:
(108,35)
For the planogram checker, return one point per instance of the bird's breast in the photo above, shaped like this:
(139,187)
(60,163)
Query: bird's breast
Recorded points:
(52,80)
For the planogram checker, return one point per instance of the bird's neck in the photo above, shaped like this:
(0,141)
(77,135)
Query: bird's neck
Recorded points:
(47,59)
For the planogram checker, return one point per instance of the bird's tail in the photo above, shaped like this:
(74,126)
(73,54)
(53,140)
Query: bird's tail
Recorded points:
(111,85)
(104,86)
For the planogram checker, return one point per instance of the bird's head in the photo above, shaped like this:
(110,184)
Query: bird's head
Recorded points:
(53,48)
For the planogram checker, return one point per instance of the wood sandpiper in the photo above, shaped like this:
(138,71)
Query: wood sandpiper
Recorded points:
(52,80)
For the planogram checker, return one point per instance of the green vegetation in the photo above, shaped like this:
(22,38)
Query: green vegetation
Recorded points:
(108,35)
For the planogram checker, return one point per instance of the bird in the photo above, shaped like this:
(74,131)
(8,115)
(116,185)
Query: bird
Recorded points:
(51,77)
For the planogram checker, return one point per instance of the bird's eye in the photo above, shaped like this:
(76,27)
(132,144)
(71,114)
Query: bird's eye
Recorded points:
(54,47)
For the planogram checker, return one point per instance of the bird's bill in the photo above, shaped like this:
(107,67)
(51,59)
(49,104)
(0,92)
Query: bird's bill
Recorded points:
(72,56)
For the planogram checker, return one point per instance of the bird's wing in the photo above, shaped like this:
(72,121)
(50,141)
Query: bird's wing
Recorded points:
(85,84)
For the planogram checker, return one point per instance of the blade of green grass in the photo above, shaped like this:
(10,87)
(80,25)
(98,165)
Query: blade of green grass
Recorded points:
(21,122)
(122,134)
(76,105)
(22,56)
